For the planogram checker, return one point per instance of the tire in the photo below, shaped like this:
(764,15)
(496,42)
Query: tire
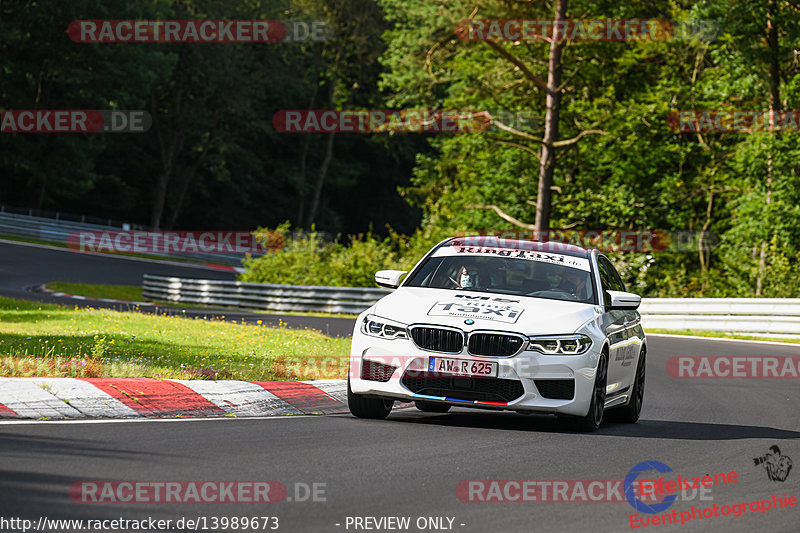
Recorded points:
(630,413)
(431,407)
(593,419)
(368,407)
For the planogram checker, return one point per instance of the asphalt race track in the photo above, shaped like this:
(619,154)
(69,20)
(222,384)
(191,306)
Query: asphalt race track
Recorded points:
(412,464)
(24,266)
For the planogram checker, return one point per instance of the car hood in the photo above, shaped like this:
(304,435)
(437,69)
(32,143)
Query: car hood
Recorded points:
(521,314)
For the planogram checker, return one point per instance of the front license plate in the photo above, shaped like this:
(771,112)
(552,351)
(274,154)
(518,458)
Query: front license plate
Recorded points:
(462,367)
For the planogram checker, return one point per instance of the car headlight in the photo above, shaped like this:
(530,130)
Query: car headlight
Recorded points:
(560,344)
(383,327)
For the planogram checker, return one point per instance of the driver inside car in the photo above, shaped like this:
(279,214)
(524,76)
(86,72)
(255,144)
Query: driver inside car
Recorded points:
(468,277)
(497,274)
(574,282)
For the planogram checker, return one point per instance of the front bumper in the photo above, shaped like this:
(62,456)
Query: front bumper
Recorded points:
(529,381)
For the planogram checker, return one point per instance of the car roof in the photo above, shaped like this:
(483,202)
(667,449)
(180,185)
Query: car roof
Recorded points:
(492,241)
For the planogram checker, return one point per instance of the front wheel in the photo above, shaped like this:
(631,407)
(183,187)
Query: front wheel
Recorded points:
(593,419)
(367,407)
(630,413)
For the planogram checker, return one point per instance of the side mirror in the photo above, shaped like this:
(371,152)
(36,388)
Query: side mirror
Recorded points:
(624,300)
(389,278)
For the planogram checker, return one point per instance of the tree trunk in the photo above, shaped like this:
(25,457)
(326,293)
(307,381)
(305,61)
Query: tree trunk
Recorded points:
(547,159)
(301,186)
(705,256)
(323,169)
(42,190)
(323,172)
(190,175)
(167,163)
(168,155)
(774,109)
(184,187)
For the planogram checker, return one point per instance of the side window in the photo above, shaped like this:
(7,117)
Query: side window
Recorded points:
(605,280)
(616,279)
(605,275)
(613,281)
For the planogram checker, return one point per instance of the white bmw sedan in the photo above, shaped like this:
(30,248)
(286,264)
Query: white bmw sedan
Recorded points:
(502,324)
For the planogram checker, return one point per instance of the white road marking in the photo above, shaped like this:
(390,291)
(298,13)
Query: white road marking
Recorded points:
(86,398)
(333,387)
(240,397)
(151,420)
(27,398)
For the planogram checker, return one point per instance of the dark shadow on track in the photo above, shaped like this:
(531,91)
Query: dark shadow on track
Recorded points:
(644,429)
(30,495)
(12,444)
(670,429)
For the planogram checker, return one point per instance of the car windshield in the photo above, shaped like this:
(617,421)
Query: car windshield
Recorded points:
(535,276)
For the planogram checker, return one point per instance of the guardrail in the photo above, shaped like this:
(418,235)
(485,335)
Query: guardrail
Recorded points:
(746,315)
(749,315)
(261,295)
(57,230)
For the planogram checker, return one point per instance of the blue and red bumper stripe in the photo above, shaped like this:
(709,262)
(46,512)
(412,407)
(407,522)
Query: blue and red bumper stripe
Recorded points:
(458,400)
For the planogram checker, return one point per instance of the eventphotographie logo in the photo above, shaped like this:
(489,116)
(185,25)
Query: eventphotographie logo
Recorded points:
(630,483)
(665,491)
(777,465)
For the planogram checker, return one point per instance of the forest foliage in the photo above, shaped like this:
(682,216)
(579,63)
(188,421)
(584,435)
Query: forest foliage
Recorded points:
(214,160)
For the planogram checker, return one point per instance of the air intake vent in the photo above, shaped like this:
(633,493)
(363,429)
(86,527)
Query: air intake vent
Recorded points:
(438,339)
(556,389)
(375,371)
(495,344)
(482,389)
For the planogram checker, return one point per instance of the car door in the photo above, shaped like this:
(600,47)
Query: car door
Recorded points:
(628,353)
(615,326)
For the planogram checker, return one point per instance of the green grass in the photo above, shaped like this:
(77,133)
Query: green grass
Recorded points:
(114,292)
(50,340)
(32,241)
(722,335)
